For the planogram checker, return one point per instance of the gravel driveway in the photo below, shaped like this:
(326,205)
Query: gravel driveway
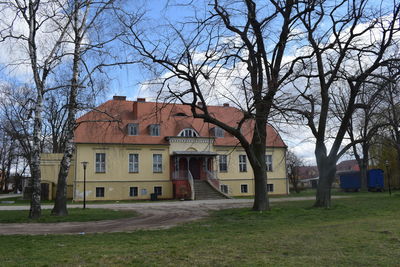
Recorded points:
(156,215)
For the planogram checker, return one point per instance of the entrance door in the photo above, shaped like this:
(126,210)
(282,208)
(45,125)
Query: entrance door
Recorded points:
(194,167)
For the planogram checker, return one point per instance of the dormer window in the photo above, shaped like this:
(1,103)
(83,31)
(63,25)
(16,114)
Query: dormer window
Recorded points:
(133,129)
(154,129)
(218,132)
(188,132)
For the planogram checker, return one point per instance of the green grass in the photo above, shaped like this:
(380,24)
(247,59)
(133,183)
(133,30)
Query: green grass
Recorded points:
(359,231)
(74,215)
(18,201)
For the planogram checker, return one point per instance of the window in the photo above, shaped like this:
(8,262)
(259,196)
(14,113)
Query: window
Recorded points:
(158,190)
(155,129)
(133,191)
(218,132)
(224,188)
(133,129)
(268,163)
(242,163)
(243,188)
(133,162)
(223,164)
(100,162)
(270,187)
(157,163)
(99,191)
(188,132)
(143,192)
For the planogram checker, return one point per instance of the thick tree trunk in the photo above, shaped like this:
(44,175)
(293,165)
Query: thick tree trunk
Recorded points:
(257,159)
(327,172)
(261,202)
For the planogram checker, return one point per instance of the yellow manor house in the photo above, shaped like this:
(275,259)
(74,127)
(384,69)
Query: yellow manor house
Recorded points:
(143,150)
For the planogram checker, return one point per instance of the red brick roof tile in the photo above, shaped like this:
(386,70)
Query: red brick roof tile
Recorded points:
(108,123)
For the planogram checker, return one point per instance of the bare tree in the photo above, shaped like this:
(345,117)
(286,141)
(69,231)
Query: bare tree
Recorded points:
(35,16)
(92,33)
(233,52)
(349,42)
(293,163)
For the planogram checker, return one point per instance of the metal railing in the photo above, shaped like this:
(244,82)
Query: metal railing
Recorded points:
(212,178)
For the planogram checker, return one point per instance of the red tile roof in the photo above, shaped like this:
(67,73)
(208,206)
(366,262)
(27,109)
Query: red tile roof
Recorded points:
(108,123)
(348,165)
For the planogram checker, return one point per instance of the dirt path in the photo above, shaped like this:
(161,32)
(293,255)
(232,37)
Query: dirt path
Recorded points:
(158,215)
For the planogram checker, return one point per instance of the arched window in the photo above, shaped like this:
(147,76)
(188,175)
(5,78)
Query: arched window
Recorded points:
(188,132)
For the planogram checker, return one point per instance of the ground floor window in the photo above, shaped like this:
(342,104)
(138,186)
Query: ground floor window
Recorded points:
(158,190)
(99,191)
(270,187)
(243,188)
(133,191)
(143,192)
(224,188)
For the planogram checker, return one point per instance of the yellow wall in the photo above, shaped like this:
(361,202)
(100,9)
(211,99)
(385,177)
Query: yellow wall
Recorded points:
(117,179)
(49,167)
(120,190)
(234,178)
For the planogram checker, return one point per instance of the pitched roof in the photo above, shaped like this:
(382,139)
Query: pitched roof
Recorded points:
(347,165)
(108,123)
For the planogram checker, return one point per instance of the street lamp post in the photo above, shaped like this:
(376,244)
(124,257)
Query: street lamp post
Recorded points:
(84,163)
(388,175)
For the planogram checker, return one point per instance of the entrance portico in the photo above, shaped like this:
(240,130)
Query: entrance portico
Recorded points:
(189,166)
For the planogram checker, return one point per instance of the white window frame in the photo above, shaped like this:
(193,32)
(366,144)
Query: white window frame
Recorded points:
(270,187)
(132,189)
(155,130)
(157,163)
(103,191)
(133,129)
(268,163)
(224,188)
(133,163)
(223,161)
(188,132)
(242,186)
(218,131)
(100,166)
(242,163)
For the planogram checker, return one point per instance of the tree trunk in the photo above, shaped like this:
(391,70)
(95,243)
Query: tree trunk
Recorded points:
(261,202)
(257,159)
(364,170)
(35,210)
(60,205)
(327,172)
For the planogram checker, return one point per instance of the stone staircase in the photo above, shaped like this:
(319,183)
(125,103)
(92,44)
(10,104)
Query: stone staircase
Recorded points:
(202,190)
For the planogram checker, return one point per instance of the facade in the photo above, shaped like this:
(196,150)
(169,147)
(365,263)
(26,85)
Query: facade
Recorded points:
(136,148)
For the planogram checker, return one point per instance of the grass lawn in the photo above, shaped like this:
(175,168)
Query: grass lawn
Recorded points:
(75,215)
(18,201)
(359,231)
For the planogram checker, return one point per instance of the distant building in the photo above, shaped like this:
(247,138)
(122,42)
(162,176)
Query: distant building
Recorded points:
(347,165)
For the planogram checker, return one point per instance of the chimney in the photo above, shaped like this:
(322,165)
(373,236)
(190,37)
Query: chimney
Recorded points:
(119,97)
(141,99)
(226,104)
